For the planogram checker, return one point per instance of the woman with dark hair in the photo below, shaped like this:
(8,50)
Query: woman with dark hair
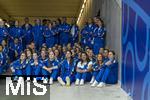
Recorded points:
(37,31)
(36,67)
(29,59)
(99,36)
(50,69)
(67,70)
(49,36)
(83,73)
(18,67)
(96,67)
(108,73)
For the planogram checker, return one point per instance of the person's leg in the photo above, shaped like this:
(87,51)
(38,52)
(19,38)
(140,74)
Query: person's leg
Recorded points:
(53,76)
(78,77)
(46,74)
(28,73)
(72,79)
(100,74)
(98,77)
(1,70)
(104,78)
(94,74)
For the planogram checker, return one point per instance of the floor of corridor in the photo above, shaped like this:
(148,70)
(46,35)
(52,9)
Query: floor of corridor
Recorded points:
(113,92)
(57,92)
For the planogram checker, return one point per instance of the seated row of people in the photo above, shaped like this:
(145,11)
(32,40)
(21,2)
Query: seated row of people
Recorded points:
(67,65)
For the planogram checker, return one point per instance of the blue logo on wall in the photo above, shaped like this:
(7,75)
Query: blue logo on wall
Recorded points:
(136,48)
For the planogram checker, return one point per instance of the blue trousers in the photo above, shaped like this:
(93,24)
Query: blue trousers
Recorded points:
(1,70)
(19,72)
(103,75)
(85,76)
(53,74)
(95,73)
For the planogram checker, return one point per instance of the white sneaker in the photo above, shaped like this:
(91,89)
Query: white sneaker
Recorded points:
(67,81)
(61,81)
(45,81)
(15,78)
(43,78)
(20,79)
(34,80)
(92,80)
(82,82)
(77,82)
(101,84)
(28,79)
(94,83)
(51,81)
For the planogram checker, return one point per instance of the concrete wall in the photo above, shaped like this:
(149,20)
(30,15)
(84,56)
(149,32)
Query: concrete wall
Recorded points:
(111,14)
(110,11)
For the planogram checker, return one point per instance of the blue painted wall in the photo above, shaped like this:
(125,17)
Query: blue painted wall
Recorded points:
(136,48)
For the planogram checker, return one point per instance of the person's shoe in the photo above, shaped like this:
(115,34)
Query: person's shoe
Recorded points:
(101,84)
(20,79)
(28,79)
(94,84)
(92,80)
(77,82)
(82,82)
(34,80)
(45,81)
(67,81)
(15,79)
(51,81)
(61,81)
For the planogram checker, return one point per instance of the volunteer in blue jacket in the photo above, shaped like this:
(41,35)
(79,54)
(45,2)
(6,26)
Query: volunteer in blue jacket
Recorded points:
(84,36)
(89,30)
(38,34)
(28,36)
(96,67)
(43,57)
(56,31)
(26,21)
(74,32)
(18,67)
(15,49)
(99,36)
(109,73)
(50,69)
(49,35)
(64,32)
(3,31)
(16,32)
(29,59)
(67,70)
(6,53)
(3,60)
(36,67)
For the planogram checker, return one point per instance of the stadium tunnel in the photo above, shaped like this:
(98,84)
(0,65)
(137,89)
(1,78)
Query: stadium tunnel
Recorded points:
(111,11)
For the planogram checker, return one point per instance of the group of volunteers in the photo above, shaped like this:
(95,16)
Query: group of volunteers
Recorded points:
(53,50)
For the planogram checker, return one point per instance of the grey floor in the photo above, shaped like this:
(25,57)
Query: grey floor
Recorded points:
(57,92)
(113,92)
